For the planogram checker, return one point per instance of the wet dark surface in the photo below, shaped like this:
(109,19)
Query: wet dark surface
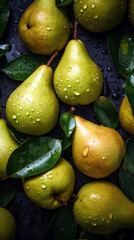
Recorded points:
(31,220)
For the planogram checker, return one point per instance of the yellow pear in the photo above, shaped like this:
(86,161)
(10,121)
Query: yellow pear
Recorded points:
(97,150)
(53,188)
(33,107)
(102,208)
(7,146)
(77,79)
(7,225)
(99,15)
(44,28)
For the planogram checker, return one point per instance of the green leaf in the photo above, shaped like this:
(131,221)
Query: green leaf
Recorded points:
(34,156)
(66,141)
(126,172)
(67,122)
(4,15)
(129,89)
(113,42)
(19,137)
(61,3)
(106,113)
(63,225)
(7,193)
(23,66)
(126,53)
(4,48)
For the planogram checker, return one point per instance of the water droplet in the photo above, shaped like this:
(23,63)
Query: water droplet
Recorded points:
(67,79)
(11,149)
(110,216)
(85,152)
(65,89)
(93,6)
(28,187)
(50,176)
(87,90)
(65,26)
(14,116)
(41,178)
(21,108)
(32,109)
(66,97)
(69,86)
(103,158)
(69,69)
(81,10)
(95,16)
(76,93)
(85,6)
(27,113)
(48,28)
(77,80)
(28,85)
(37,119)
(103,219)
(14,104)
(94,224)
(43,186)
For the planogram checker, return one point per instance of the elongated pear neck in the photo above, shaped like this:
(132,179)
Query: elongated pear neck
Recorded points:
(46,3)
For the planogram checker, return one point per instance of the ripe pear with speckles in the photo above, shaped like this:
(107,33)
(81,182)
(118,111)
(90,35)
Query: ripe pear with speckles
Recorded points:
(97,150)
(33,107)
(44,28)
(102,208)
(77,79)
(7,146)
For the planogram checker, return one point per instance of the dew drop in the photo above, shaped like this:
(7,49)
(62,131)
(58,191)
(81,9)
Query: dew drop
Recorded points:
(69,69)
(32,109)
(77,80)
(41,178)
(67,79)
(65,26)
(69,86)
(65,89)
(37,119)
(50,176)
(93,6)
(48,28)
(87,90)
(95,16)
(85,6)
(20,108)
(28,187)
(76,93)
(94,224)
(85,152)
(14,116)
(110,216)
(81,10)
(103,158)
(27,113)
(66,97)
(43,186)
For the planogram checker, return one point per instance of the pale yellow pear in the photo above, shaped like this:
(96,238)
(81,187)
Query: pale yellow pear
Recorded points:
(77,79)
(102,208)
(52,188)
(7,146)
(44,28)
(7,225)
(33,107)
(97,150)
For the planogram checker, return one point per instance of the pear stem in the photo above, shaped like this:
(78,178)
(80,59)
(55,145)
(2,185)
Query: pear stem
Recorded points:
(60,201)
(0,112)
(5,178)
(75,196)
(72,110)
(75,30)
(52,58)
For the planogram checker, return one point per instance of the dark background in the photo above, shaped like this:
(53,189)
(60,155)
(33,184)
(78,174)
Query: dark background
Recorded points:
(31,220)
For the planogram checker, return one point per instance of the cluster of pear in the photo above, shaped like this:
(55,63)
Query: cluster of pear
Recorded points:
(33,109)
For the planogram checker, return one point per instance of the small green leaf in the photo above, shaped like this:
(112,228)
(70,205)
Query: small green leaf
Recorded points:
(63,225)
(19,137)
(61,3)
(129,89)
(23,66)
(4,15)
(126,172)
(7,192)
(113,42)
(34,156)
(106,113)
(126,53)
(66,141)
(67,122)
(4,48)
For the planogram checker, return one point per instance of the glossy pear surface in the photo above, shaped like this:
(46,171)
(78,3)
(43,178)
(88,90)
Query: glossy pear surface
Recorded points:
(97,151)
(44,28)
(77,79)
(99,15)
(102,208)
(45,188)
(33,107)
(7,225)
(7,146)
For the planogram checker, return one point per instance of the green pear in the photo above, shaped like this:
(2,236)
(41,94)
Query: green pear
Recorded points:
(77,79)
(53,188)
(99,15)
(97,150)
(131,12)
(33,107)
(7,225)
(44,28)
(102,208)
(7,146)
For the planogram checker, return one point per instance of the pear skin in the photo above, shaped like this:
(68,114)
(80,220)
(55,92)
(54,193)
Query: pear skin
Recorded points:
(7,146)
(33,107)
(7,225)
(53,188)
(102,208)
(77,79)
(44,28)
(97,151)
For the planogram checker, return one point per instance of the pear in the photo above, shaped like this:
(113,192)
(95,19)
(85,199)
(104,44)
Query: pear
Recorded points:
(97,150)
(33,107)
(77,79)
(7,146)
(131,12)
(44,28)
(102,208)
(7,225)
(99,15)
(53,188)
